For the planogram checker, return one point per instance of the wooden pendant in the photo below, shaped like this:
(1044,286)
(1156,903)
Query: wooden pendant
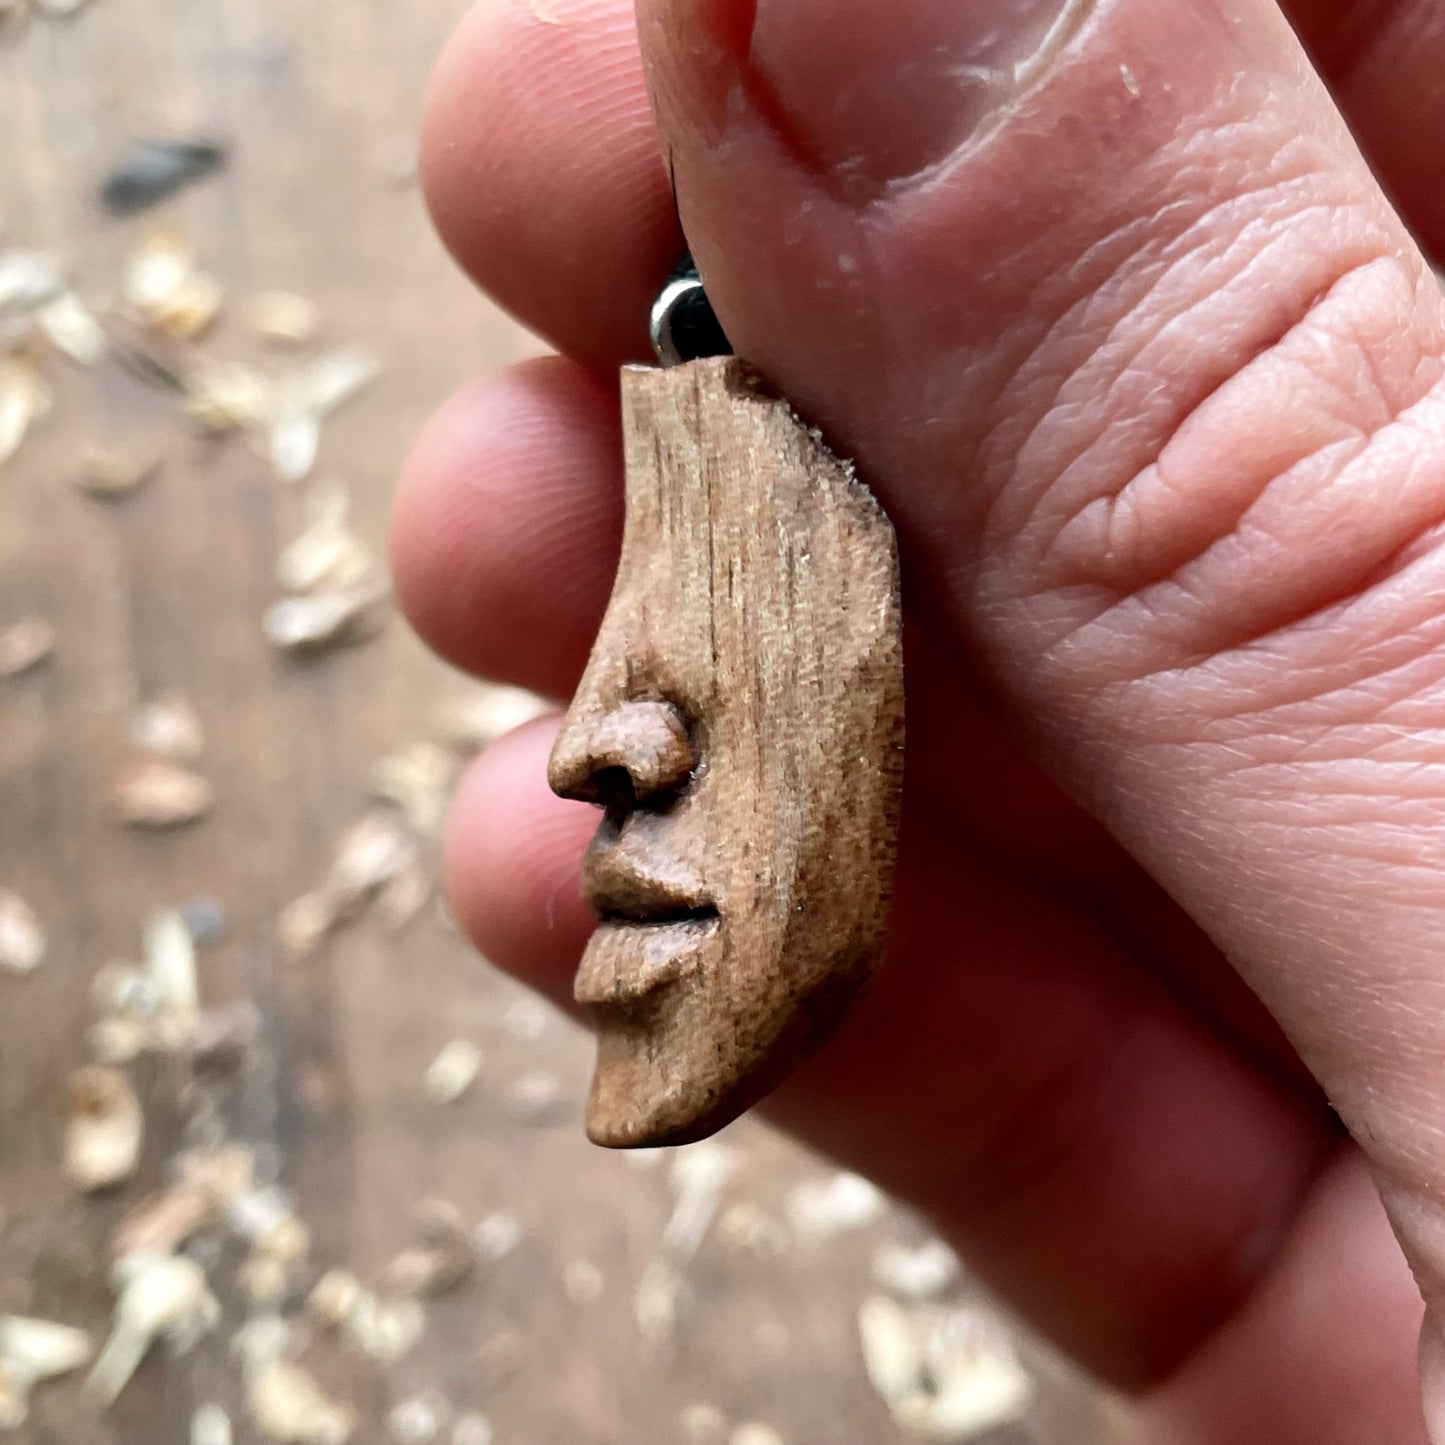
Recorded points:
(741,724)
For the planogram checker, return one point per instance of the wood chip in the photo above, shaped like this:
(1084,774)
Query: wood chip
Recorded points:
(210,1425)
(420,781)
(166,291)
(921,1273)
(300,403)
(111,472)
(104,1130)
(283,317)
(821,1210)
(347,615)
(288,1406)
(24,398)
(225,397)
(472,723)
(453,1071)
(305,922)
(41,1350)
(327,554)
(944,1374)
(25,644)
(22,939)
(152,793)
(70,326)
(169,728)
(164,1222)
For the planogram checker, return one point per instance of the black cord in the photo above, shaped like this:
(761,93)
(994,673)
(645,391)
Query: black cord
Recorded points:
(696,331)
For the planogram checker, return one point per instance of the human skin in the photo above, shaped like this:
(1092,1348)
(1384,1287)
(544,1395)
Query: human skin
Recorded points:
(1148,373)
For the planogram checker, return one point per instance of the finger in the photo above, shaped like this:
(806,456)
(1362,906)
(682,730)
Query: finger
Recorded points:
(1337,1304)
(1386,67)
(1149,375)
(543,173)
(1116,1170)
(507,523)
(547,180)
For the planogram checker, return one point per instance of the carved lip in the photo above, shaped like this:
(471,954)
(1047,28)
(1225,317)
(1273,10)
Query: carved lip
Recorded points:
(621,892)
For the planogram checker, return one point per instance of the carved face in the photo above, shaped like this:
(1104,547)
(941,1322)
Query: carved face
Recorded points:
(740,723)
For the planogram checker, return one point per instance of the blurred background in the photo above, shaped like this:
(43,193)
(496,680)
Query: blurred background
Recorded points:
(280,1158)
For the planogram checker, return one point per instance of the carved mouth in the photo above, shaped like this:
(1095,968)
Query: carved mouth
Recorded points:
(654,914)
(620,892)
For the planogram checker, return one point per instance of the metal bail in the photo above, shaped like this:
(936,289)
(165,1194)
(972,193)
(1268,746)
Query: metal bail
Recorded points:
(684,327)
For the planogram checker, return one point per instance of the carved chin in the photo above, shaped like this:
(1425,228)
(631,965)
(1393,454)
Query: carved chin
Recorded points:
(648,1090)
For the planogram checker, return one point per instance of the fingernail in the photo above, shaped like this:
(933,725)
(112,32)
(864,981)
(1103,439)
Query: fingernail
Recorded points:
(875,93)
(867,93)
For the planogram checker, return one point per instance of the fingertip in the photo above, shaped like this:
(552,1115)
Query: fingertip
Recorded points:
(543,173)
(513,857)
(507,521)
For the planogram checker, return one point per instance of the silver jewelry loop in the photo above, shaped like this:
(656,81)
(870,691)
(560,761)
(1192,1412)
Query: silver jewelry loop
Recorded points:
(663,311)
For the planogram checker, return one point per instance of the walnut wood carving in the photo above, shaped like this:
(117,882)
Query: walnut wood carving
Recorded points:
(741,724)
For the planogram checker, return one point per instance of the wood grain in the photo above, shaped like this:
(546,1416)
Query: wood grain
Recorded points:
(741,723)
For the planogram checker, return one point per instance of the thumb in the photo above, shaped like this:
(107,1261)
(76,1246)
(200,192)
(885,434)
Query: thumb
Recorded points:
(1146,370)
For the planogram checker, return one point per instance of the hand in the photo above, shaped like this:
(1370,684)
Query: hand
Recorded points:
(1148,373)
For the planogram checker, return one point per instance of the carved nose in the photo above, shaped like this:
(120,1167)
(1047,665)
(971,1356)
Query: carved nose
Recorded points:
(645,742)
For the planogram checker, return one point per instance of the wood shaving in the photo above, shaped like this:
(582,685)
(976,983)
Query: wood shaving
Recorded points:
(445,1258)
(160,1296)
(24,399)
(944,1374)
(22,939)
(28,280)
(170,963)
(111,472)
(305,922)
(225,397)
(163,1223)
(299,403)
(385,1329)
(497,1236)
(336,1296)
(152,793)
(165,290)
(921,1273)
(657,1302)
(293,444)
(283,317)
(327,554)
(36,1350)
(210,1425)
(68,324)
(746,1227)
(699,1174)
(821,1210)
(472,723)
(703,1424)
(104,1129)
(420,781)
(25,644)
(403,897)
(535,1097)
(755,1433)
(583,1281)
(417,1421)
(169,728)
(453,1071)
(288,1406)
(334,618)
(472,1429)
